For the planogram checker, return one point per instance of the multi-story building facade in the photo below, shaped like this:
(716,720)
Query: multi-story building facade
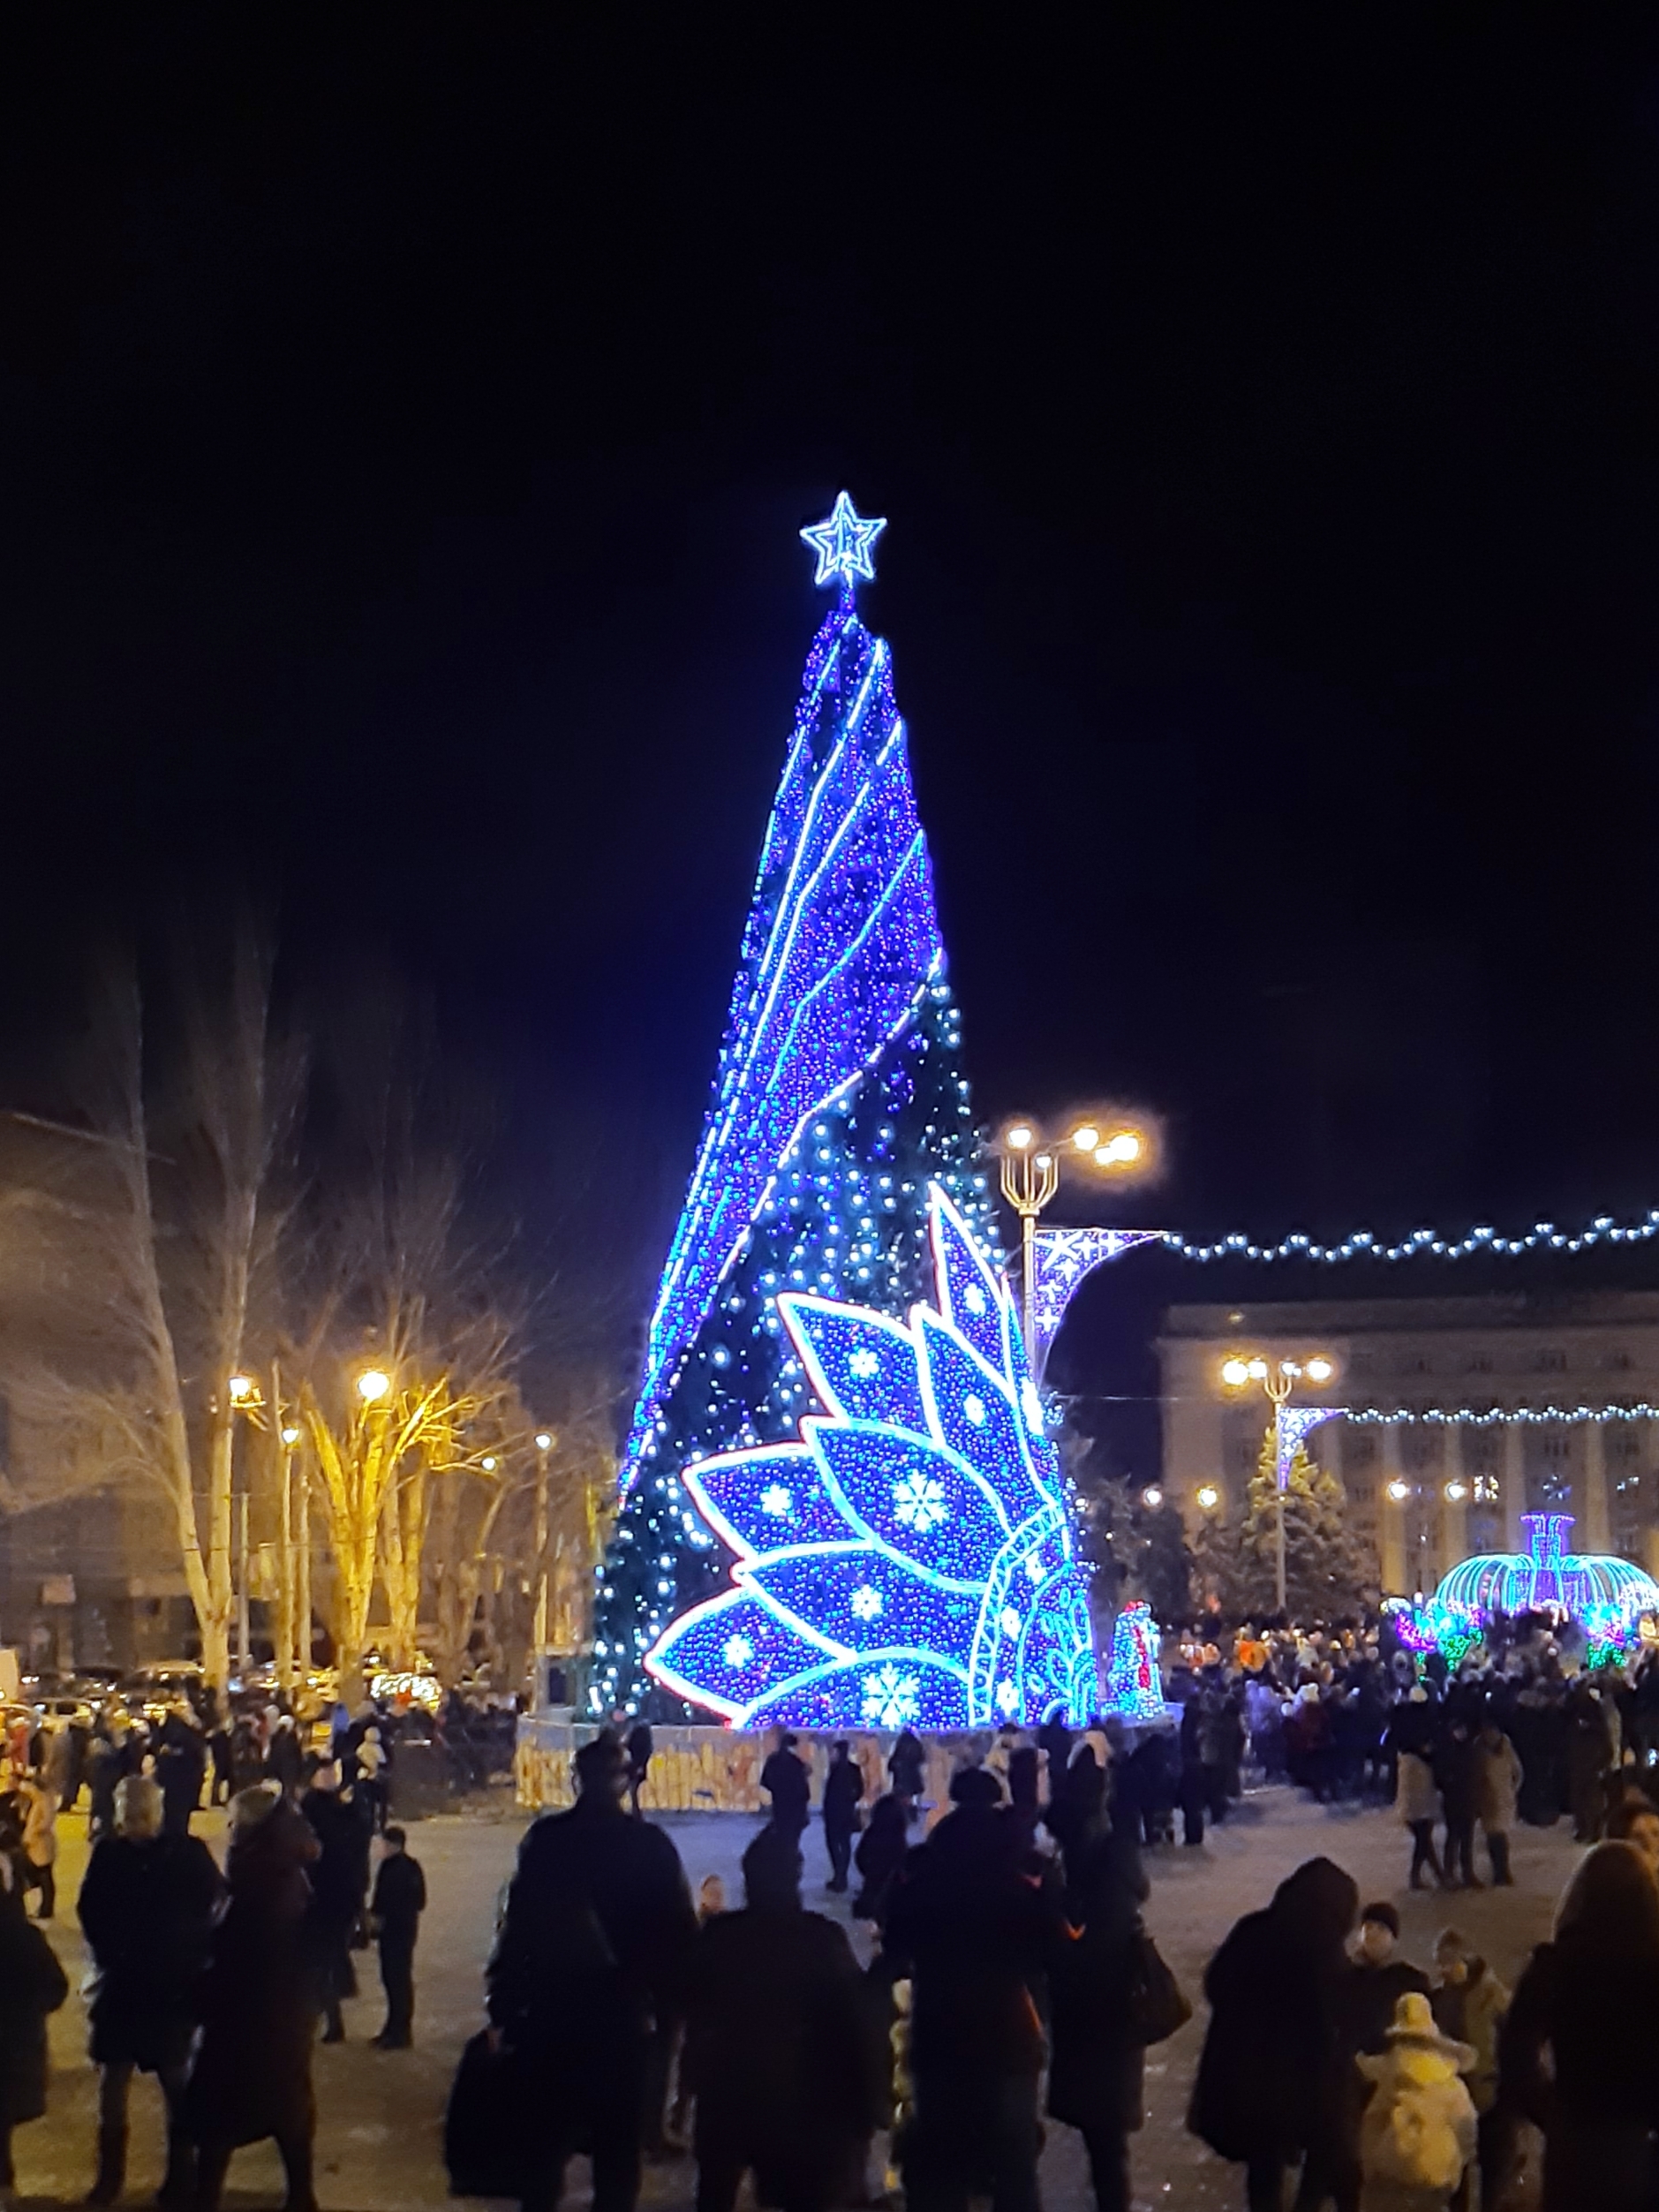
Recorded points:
(1548,1388)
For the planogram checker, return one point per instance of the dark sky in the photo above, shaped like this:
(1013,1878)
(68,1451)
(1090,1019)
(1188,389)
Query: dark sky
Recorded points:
(404,434)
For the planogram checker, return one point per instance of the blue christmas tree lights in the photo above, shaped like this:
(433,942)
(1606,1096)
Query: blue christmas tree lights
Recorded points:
(840,1130)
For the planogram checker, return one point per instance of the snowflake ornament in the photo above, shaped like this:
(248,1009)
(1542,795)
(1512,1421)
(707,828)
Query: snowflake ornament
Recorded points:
(927,1576)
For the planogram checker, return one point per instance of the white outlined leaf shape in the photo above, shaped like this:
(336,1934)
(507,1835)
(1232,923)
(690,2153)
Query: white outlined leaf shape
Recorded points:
(862,1365)
(1057,1642)
(970,1297)
(758,1500)
(911,1496)
(865,1598)
(973,1416)
(735,1649)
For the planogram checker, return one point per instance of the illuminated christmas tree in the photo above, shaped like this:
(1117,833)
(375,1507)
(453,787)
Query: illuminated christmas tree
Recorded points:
(835,1190)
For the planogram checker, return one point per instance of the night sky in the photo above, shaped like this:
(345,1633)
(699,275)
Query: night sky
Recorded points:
(403,436)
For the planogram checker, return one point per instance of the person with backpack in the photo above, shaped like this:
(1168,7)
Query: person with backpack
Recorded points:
(587,1975)
(1418,2133)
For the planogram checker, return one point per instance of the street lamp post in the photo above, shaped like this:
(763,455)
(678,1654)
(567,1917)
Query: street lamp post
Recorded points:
(244,1398)
(1030,1177)
(544,1446)
(1278,1379)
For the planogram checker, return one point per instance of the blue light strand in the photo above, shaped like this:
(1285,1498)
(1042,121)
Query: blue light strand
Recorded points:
(1499,1416)
(1423,1243)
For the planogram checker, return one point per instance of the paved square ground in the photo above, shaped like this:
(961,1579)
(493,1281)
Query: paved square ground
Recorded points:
(381,2113)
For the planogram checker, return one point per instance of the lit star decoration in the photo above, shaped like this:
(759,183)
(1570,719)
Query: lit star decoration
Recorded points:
(959,1528)
(839,1098)
(844,544)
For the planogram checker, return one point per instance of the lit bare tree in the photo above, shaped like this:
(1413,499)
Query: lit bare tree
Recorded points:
(167,1195)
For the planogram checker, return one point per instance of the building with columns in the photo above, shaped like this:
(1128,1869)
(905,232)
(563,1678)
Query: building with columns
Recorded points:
(1549,1387)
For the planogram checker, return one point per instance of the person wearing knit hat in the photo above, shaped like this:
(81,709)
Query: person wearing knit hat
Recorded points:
(1419,2131)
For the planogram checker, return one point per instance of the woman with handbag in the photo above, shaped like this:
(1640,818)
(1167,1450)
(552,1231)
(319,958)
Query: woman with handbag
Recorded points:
(1110,1994)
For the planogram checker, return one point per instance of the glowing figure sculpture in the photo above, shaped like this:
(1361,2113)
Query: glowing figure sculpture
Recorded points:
(1606,1595)
(1134,1689)
(923,1574)
(839,1096)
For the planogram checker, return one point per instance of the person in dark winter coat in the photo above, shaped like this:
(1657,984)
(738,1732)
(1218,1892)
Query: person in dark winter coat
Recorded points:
(907,1768)
(1590,1999)
(1455,1777)
(639,1748)
(786,1779)
(181,1767)
(339,1884)
(251,2077)
(32,1985)
(107,1764)
(1274,1994)
(284,1757)
(843,1795)
(148,1906)
(395,1911)
(976,1933)
(783,2054)
(1368,1994)
(1095,2078)
(879,1855)
(588,1973)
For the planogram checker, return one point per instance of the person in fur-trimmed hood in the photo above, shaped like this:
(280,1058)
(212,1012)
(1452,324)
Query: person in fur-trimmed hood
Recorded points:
(1419,2130)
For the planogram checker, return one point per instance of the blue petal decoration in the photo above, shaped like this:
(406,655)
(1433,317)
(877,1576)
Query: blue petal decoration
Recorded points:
(973,1414)
(758,1500)
(910,1561)
(865,1598)
(910,1496)
(863,1365)
(885,1691)
(970,1294)
(734,1649)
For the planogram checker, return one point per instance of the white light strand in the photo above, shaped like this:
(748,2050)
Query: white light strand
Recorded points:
(1363,1245)
(1499,1416)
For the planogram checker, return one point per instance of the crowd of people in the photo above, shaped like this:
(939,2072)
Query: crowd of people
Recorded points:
(1012,1982)
(213,1981)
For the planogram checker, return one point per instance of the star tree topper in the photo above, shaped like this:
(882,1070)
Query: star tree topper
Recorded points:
(842,544)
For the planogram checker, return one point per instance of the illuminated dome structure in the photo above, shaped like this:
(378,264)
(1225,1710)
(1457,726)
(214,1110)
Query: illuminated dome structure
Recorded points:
(1606,1595)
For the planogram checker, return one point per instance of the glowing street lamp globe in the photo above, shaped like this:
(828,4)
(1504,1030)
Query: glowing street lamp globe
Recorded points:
(1235,1373)
(241,1389)
(372,1384)
(1208,1498)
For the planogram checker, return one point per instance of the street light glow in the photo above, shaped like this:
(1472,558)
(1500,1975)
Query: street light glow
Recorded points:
(241,1388)
(1234,1373)
(373,1384)
(1320,1369)
(1258,1370)
(1456,1493)
(290,1436)
(1399,1491)
(488,1463)
(544,1441)
(1208,1498)
(1151,1495)
(1019,1136)
(1086,1138)
(1044,1159)
(1119,1150)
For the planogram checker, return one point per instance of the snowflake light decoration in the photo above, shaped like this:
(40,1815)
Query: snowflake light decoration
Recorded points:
(929,1578)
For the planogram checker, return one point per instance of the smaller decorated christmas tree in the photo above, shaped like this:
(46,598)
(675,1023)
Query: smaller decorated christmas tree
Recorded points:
(1134,1689)
(1326,1574)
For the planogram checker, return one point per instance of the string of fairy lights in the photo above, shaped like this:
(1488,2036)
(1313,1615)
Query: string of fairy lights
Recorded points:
(1422,1243)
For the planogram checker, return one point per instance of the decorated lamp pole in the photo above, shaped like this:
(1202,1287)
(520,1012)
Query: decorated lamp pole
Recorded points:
(1291,1425)
(1030,1178)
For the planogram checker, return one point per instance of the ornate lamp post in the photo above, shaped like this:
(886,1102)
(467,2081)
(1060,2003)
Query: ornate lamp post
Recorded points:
(1030,1177)
(1278,1380)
